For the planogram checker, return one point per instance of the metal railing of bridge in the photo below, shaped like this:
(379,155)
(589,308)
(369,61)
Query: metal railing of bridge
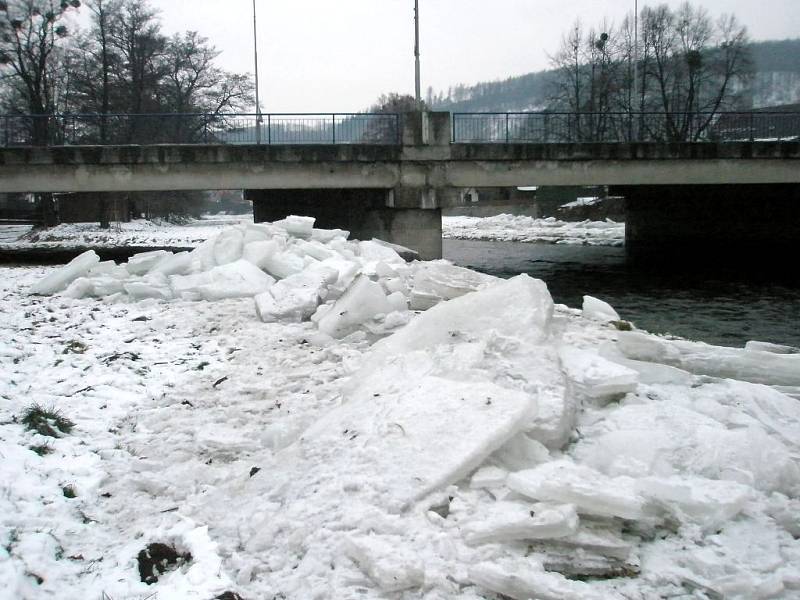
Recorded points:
(199,128)
(617,127)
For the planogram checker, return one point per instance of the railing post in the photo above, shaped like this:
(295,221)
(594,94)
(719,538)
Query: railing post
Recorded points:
(333,122)
(205,128)
(269,130)
(7,132)
(752,126)
(507,131)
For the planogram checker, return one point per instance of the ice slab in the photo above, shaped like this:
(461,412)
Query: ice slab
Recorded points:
(510,521)
(594,377)
(436,281)
(590,491)
(716,361)
(525,579)
(768,347)
(239,279)
(597,540)
(296,297)
(706,502)
(228,246)
(258,252)
(297,226)
(387,561)
(406,444)
(527,310)
(281,264)
(141,263)
(177,264)
(373,251)
(522,452)
(488,477)
(598,310)
(363,300)
(60,279)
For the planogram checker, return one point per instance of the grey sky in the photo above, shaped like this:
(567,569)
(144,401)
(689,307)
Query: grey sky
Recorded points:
(339,55)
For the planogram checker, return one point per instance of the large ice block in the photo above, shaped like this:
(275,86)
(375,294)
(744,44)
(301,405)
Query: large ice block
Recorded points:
(511,521)
(362,301)
(590,491)
(60,279)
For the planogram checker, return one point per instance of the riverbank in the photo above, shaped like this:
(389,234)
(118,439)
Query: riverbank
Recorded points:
(494,444)
(512,228)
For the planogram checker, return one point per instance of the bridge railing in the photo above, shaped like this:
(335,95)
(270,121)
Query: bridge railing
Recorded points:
(616,127)
(198,128)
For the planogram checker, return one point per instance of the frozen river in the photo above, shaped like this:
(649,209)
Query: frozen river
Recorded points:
(705,304)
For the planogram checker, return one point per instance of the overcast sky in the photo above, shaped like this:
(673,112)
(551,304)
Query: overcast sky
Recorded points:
(340,55)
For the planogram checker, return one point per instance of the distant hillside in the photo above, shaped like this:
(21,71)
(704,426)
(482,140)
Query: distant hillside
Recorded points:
(777,81)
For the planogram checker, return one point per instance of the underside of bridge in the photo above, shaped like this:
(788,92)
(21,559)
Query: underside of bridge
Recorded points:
(716,222)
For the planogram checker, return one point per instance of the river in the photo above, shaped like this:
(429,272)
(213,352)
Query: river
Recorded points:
(724,307)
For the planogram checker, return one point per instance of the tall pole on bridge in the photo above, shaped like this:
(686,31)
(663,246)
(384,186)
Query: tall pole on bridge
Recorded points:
(255,53)
(417,86)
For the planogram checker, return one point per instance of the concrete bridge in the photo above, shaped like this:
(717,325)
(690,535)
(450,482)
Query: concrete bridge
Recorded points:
(684,192)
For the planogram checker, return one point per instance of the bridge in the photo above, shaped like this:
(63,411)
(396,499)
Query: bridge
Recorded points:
(724,178)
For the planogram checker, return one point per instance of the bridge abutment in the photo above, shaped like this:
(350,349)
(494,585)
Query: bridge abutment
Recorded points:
(365,213)
(712,222)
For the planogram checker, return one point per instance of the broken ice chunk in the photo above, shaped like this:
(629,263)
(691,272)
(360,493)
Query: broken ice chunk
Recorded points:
(176,264)
(239,279)
(594,377)
(522,452)
(774,348)
(592,492)
(141,263)
(440,280)
(707,502)
(407,443)
(258,252)
(228,246)
(80,288)
(510,521)
(281,264)
(387,561)
(527,310)
(594,539)
(488,477)
(716,361)
(60,279)
(598,310)
(362,301)
(301,227)
(296,297)
(524,579)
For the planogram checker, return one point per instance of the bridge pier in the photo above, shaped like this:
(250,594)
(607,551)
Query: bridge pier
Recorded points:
(408,217)
(726,223)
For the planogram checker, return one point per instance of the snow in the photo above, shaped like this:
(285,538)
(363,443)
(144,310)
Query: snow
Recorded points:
(138,232)
(512,228)
(305,430)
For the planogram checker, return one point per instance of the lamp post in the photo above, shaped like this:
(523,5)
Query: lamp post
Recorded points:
(417,88)
(255,55)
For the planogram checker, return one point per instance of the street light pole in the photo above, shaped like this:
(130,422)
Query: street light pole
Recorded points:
(255,54)
(418,93)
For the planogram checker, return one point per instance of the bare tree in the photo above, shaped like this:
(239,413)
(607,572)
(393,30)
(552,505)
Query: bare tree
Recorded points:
(690,68)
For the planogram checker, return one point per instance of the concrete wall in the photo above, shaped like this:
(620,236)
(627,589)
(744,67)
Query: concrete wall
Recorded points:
(362,212)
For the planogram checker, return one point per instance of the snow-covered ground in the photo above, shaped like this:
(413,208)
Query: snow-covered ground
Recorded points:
(140,232)
(368,428)
(512,228)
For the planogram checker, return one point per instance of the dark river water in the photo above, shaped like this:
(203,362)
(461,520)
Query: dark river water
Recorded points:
(719,306)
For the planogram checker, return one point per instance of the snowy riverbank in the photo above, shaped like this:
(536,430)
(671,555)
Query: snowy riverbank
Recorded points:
(511,228)
(139,232)
(370,428)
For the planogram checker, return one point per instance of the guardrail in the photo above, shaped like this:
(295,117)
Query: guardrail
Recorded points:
(567,127)
(199,128)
